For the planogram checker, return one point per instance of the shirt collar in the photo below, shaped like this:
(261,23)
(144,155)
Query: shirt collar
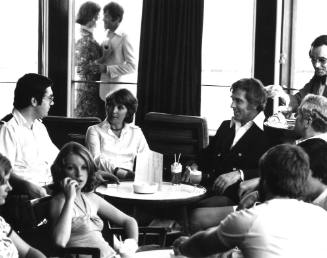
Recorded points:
(107,126)
(258,121)
(117,32)
(20,118)
(322,136)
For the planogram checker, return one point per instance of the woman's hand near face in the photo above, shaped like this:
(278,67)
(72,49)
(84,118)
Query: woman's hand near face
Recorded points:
(61,212)
(69,186)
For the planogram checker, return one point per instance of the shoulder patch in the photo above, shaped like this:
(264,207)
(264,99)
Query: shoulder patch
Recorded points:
(7,118)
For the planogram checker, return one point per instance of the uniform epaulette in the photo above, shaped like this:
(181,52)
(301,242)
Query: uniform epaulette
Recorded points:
(6,118)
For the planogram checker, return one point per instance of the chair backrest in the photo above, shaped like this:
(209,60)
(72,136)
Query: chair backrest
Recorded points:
(170,134)
(38,210)
(65,129)
(37,232)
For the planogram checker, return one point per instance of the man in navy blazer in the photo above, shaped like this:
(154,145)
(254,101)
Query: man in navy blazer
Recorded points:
(232,155)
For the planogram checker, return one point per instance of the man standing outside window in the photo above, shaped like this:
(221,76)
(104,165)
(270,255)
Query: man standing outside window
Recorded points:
(118,57)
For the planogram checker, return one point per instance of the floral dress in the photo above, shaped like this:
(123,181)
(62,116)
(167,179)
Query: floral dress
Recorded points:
(7,247)
(87,97)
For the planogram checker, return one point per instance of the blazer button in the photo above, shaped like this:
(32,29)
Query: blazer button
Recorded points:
(219,154)
(240,154)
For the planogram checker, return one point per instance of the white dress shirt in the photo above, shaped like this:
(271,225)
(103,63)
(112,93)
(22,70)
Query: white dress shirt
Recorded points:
(110,151)
(29,149)
(241,130)
(321,200)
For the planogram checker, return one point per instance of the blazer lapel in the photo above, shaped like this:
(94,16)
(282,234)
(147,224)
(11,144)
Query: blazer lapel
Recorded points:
(245,138)
(228,140)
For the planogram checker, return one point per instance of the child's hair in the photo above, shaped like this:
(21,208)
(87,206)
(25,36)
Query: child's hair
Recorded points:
(57,168)
(5,168)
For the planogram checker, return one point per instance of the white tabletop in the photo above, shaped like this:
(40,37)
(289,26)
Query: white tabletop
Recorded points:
(167,192)
(166,253)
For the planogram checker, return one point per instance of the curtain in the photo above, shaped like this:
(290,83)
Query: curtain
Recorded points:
(169,73)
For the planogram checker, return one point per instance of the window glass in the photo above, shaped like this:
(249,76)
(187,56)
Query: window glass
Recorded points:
(309,24)
(227,54)
(18,46)
(85,93)
(131,25)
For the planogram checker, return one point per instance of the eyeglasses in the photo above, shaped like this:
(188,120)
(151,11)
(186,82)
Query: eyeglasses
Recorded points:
(321,60)
(50,98)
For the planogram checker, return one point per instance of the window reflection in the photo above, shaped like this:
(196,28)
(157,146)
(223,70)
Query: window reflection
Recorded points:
(105,51)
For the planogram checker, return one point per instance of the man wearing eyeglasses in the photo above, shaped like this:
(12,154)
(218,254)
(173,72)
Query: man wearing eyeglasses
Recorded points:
(24,140)
(317,85)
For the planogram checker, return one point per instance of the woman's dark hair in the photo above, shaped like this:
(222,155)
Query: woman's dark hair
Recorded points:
(57,169)
(115,10)
(5,168)
(255,92)
(284,170)
(122,97)
(30,86)
(87,12)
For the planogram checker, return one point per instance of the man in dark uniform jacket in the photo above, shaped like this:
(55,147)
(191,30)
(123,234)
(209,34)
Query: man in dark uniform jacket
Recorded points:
(233,154)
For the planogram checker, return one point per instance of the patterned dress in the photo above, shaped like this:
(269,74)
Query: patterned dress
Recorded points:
(87,97)
(7,247)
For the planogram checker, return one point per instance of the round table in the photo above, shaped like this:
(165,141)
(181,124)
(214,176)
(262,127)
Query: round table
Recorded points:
(168,193)
(168,196)
(165,253)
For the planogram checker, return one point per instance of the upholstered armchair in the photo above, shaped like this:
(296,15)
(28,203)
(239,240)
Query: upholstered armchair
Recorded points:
(169,134)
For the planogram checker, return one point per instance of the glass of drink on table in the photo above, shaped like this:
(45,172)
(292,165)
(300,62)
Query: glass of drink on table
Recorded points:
(195,177)
(176,171)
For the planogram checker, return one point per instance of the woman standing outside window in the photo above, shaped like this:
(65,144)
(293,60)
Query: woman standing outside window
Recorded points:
(87,50)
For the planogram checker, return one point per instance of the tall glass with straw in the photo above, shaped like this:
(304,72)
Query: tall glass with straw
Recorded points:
(176,170)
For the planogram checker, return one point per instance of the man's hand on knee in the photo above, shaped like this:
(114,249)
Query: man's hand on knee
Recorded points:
(224,181)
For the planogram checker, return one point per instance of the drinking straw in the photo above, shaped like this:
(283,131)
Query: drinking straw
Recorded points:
(179,155)
(175,157)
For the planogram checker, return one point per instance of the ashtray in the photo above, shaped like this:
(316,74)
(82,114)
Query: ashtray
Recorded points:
(145,188)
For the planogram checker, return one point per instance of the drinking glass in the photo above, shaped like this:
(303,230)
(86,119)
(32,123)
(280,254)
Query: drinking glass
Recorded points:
(176,173)
(195,177)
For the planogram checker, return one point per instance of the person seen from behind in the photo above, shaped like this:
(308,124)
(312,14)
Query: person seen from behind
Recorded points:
(281,226)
